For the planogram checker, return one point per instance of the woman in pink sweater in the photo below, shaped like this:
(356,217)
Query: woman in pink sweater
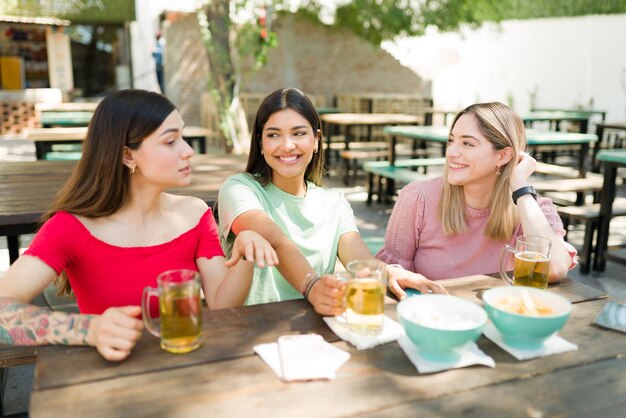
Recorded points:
(457,225)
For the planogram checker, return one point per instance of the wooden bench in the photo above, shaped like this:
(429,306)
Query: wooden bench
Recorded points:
(353,158)
(588,215)
(560,171)
(401,171)
(580,186)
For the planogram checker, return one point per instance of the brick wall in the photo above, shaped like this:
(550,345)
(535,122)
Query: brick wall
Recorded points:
(330,61)
(186,67)
(320,60)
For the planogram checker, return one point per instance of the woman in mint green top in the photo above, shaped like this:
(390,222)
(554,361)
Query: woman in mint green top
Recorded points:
(279,196)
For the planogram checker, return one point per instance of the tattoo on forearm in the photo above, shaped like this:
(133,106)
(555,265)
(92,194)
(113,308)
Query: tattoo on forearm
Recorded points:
(24,324)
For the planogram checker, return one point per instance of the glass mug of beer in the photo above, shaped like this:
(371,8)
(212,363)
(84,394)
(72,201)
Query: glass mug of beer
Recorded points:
(531,262)
(365,296)
(180,313)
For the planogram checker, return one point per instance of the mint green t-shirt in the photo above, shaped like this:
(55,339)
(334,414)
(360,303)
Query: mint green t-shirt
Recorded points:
(314,222)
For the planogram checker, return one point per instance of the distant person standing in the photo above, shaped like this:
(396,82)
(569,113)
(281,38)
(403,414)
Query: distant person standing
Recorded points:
(157,53)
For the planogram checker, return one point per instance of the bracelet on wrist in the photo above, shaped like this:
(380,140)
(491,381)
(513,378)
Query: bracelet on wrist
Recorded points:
(312,283)
(523,191)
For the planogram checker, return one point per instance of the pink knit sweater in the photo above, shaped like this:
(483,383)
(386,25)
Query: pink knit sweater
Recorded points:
(415,238)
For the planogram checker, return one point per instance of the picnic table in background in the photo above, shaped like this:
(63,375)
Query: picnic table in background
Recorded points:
(64,114)
(49,119)
(612,160)
(225,378)
(28,187)
(555,117)
(46,139)
(348,121)
(590,112)
(610,135)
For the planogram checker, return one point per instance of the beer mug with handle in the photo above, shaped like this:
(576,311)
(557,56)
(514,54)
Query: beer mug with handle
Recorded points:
(531,261)
(365,296)
(180,310)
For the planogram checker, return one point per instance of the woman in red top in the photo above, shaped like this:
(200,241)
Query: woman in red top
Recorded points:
(111,230)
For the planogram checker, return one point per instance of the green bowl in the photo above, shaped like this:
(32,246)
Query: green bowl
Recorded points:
(440,324)
(524,331)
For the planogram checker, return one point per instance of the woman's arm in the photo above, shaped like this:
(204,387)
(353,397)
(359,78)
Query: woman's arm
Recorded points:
(534,221)
(114,333)
(352,247)
(294,266)
(236,274)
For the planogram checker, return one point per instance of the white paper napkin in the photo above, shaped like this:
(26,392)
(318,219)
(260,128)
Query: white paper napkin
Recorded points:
(328,359)
(391,331)
(469,354)
(553,345)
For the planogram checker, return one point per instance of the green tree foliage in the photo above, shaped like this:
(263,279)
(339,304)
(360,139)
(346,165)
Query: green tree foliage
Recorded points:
(533,9)
(379,20)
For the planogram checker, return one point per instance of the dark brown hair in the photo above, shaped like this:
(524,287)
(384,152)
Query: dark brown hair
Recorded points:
(283,99)
(99,184)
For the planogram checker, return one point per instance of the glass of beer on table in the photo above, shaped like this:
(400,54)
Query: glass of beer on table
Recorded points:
(365,296)
(180,310)
(531,262)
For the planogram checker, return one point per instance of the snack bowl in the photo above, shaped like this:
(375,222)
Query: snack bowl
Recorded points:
(526,316)
(440,324)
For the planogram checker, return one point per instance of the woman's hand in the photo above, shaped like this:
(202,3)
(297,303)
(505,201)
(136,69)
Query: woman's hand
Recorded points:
(400,279)
(327,295)
(115,332)
(253,247)
(522,171)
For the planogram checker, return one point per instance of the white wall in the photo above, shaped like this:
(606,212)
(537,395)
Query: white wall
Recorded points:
(566,61)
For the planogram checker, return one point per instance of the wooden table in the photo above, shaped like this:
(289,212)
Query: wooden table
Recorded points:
(67,107)
(49,119)
(225,378)
(27,189)
(603,140)
(46,138)
(612,160)
(347,121)
(555,117)
(591,113)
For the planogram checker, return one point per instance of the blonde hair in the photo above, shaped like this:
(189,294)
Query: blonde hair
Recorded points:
(503,128)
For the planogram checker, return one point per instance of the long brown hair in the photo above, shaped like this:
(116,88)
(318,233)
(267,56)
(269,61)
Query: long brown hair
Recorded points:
(276,101)
(503,128)
(99,184)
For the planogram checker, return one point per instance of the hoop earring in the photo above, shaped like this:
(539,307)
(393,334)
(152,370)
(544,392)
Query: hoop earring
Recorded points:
(498,172)
(132,171)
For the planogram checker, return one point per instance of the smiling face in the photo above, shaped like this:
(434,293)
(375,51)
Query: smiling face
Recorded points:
(163,158)
(288,144)
(470,157)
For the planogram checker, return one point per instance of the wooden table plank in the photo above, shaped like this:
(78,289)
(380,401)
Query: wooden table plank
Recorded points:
(228,334)
(373,380)
(473,286)
(568,392)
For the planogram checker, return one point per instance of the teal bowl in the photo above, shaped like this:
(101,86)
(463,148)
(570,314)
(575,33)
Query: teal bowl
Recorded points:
(440,324)
(526,331)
